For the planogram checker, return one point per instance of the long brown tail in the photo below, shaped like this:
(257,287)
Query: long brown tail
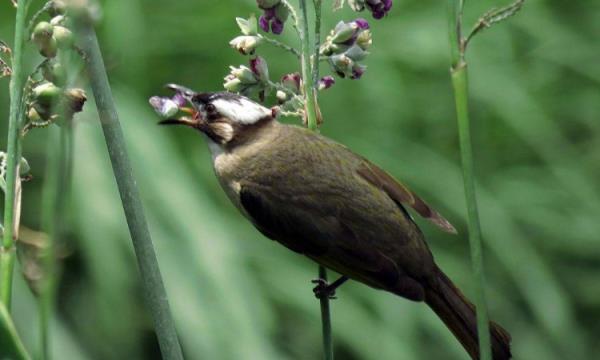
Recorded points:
(448,302)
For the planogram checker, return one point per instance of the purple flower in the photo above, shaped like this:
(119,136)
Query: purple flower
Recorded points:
(274,16)
(357,71)
(259,67)
(379,8)
(167,107)
(326,82)
(292,82)
(362,23)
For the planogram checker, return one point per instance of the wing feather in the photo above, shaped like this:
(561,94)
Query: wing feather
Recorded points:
(402,195)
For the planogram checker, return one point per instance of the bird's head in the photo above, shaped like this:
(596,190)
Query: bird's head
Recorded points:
(223,117)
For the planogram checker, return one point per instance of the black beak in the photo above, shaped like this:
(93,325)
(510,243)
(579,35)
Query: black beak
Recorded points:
(187,93)
(183,121)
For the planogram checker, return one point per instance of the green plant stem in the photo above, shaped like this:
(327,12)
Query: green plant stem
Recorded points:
(11,346)
(326,320)
(280,45)
(309,93)
(152,284)
(57,190)
(461,94)
(12,199)
(317,49)
(309,80)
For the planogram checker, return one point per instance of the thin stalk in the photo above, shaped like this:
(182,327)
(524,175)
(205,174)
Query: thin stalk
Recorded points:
(461,93)
(293,14)
(317,49)
(57,192)
(12,200)
(11,346)
(310,79)
(309,91)
(152,284)
(280,45)
(326,320)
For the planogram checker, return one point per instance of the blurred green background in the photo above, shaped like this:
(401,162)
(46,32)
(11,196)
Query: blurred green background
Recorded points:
(535,103)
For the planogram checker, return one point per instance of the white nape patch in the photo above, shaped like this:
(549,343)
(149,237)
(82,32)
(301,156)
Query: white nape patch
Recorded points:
(241,110)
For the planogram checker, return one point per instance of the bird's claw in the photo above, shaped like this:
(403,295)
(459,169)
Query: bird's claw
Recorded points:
(323,289)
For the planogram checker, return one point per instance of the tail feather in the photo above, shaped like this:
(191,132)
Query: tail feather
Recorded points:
(453,308)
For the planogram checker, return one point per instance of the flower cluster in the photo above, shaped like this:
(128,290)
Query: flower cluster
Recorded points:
(249,40)
(275,13)
(51,36)
(50,100)
(249,80)
(348,44)
(378,8)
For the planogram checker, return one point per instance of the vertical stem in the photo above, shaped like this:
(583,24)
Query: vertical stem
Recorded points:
(461,93)
(57,192)
(326,320)
(315,64)
(152,284)
(12,199)
(11,345)
(310,80)
(309,91)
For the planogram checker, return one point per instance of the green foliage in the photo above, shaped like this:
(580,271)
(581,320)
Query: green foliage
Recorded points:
(234,294)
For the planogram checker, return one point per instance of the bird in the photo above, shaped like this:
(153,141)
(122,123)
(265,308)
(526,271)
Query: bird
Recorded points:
(319,199)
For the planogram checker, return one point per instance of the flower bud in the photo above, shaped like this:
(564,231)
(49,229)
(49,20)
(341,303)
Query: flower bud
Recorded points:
(277,26)
(341,64)
(356,53)
(54,72)
(248,26)
(75,99)
(42,32)
(42,36)
(49,49)
(362,23)
(267,4)
(43,111)
(343,32)
(357,71)
(357,5)
(245,44)
(33,115)
(233,84)
(47,93)
(164,107)
(274,16)
(57,7)
(260,68)
(57,20)
(326,82)
(244,74)
(292,82)
(378,8)
(364,39)
(63,36)
(282,13)
(281,96)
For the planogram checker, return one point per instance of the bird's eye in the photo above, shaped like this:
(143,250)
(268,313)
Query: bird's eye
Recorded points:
(210,108)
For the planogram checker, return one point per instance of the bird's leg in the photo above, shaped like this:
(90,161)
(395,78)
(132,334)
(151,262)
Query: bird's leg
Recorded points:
(324,289)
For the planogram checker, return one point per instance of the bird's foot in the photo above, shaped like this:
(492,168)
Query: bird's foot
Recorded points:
(324,290)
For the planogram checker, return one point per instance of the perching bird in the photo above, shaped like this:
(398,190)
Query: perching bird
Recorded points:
(318,198)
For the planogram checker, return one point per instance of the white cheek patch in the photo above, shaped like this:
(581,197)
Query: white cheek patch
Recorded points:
(241,110)
(224,131)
